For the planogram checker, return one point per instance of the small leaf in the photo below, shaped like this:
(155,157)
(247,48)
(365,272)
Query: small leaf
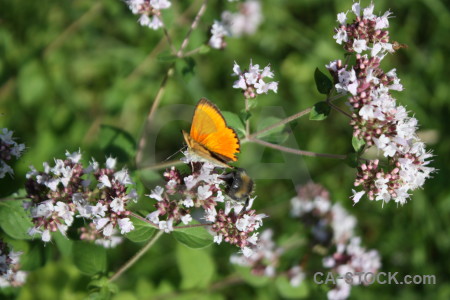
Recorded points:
(204,49)
(276,135)
(323,83)
(89,258)
(357,144)
(234,122)
(187,66)
(14,220)
(245,115)
(142,232)
(287,291)
(196,267)
(193,237)
(320,111)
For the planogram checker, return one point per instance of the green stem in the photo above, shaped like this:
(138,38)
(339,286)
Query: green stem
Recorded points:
(138,255)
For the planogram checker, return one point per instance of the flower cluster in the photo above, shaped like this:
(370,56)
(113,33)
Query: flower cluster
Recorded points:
(377,120)
(200,192)
(244,22)
(10,274)
(150,11)
(351,258)
(8,149)
(252,82)
(333,225)
(69,190)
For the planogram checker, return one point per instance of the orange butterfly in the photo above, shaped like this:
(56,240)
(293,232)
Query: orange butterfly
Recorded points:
(210,138)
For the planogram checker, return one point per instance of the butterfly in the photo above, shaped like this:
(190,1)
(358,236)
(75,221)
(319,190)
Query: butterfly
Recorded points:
(210,138)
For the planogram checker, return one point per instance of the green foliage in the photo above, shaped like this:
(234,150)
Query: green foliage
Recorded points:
(196,267)
(142,232)
(320,111)
(89,258)
(14,220)
(323,83)
(193,237)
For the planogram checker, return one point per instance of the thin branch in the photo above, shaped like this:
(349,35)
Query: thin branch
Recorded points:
(280,123)
(194,24)
(339,109)
(138,255)
(152,111)
(167,35)
(298,152)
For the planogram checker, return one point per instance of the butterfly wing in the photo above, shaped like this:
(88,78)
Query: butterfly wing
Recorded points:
(210,129)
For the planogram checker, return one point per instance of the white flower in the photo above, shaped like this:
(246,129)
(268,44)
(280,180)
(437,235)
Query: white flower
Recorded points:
(218,238)
(123,177)
(359,45)
(98,210)
(186,219)
(204,192)
(46,237)
(153,217)
(108,230)
(341,36)
(64,212)
(125,225)
(156,193)
(357,196)
(74,157)
(117,205)
(104,181)
(160,4)
(218,33)
(167,226)
(247,251)
(342,18)
(356,8)
(188,202)
(111,163)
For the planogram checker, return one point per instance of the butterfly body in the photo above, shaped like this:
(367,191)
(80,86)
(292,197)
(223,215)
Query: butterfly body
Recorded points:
(210,139)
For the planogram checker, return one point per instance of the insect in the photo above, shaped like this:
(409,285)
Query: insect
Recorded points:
(210,138)
(239,185)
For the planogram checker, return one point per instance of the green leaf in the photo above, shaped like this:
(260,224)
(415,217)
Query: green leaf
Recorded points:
(196,267)
(287,291)
(186,67)
(101,288)
(193,237)
(276,135)
(64,245)
(323,83)
(33,258)
(117,142)
(14,220)
(142,232)
(89,258)
(253,280)
(204,49)
(357,144)
(235,122)
(320,111)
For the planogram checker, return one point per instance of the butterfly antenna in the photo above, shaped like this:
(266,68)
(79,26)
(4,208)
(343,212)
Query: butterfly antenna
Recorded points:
(175,153)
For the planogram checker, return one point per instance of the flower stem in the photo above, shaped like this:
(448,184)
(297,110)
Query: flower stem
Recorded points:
(194,24)
(295,151)
(138,255)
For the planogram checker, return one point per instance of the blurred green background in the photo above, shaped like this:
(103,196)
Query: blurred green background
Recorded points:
(68,68)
